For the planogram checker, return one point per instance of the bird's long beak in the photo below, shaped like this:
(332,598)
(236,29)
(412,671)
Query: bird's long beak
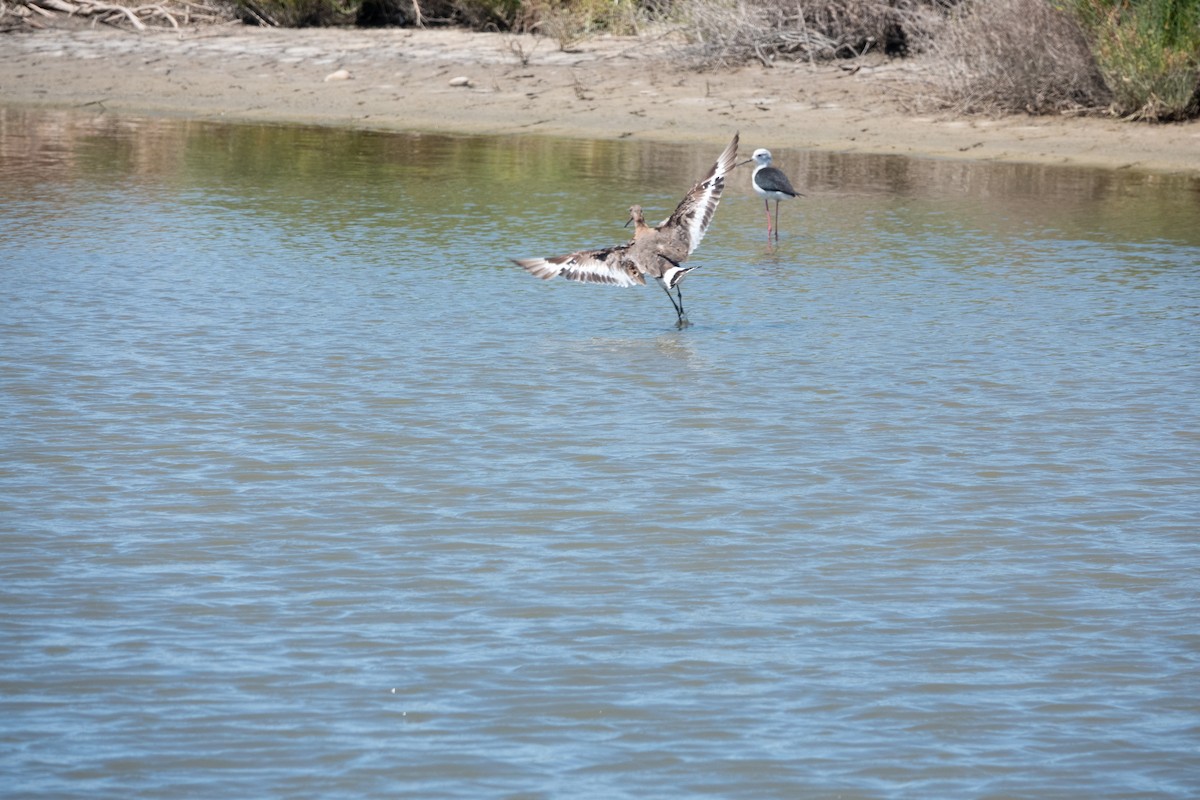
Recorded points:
(747,161)
(626,225)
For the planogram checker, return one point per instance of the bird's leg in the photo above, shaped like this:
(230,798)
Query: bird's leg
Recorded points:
(767,206)
(682,318)
(677,306)
(682,321)
(777,220)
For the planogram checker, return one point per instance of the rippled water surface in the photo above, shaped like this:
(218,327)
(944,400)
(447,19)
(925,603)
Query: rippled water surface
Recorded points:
(307,492)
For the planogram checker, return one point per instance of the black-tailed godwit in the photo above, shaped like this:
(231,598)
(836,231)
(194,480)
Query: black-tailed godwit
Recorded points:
(658,251)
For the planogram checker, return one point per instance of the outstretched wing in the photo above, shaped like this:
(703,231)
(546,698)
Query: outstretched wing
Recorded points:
(587,266)
(695,212)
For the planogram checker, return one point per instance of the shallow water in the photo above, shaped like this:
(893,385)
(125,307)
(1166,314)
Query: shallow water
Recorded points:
(307,491)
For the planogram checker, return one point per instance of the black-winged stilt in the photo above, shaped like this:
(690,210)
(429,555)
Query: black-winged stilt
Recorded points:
(770,184)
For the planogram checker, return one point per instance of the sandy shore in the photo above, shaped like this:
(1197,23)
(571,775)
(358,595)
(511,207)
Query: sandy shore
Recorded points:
(607,88)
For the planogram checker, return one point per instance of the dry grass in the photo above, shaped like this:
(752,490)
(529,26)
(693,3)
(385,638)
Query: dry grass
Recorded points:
(1004,56)
(33,14)
(728,32)
(570,23)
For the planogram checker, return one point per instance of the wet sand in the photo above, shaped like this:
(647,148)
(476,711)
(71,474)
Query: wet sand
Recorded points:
(454,81)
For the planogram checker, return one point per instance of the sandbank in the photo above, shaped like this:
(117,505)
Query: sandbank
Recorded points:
(462,82)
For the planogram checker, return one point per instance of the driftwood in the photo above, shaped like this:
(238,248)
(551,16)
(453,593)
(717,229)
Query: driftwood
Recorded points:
(169,13)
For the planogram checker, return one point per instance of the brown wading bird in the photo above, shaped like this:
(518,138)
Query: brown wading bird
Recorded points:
(657,251)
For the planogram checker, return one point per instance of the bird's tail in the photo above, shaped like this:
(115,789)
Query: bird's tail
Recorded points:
(673,275)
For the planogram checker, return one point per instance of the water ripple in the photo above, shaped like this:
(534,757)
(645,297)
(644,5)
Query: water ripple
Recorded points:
(303,498)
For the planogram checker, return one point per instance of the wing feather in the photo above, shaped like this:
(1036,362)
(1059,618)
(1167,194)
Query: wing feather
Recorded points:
(695,212)
(627,264)
(607,266)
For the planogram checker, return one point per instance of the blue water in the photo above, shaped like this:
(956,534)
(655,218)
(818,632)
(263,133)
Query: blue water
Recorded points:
(308,492)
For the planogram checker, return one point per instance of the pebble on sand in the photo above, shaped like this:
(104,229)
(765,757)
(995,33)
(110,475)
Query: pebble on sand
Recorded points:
(461,80)
(340,75)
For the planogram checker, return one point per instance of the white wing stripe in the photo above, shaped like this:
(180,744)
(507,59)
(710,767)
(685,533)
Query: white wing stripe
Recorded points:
(597,266)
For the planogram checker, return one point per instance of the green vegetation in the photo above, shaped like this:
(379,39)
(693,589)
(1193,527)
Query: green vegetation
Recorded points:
(1148,52)
(1135,58)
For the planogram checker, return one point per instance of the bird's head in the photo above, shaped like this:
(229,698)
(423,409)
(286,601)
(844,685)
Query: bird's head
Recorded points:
(761,157)
(635,216)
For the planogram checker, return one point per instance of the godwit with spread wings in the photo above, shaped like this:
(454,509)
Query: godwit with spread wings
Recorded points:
(770,184)
(657,251)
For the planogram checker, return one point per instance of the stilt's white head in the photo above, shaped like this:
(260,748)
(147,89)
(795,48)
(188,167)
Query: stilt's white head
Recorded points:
(762,157)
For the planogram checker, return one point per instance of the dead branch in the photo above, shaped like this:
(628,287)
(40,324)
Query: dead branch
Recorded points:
(140,18)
